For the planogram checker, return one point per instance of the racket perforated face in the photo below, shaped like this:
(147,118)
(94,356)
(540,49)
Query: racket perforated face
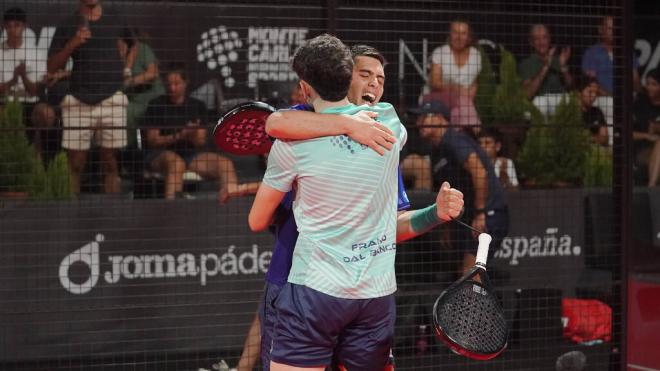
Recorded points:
(242,130)
(469,319)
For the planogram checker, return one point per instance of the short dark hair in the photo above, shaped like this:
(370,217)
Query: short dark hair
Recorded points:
(490,133)
(325,63)
(177,68)
(654,74)
(583,81)
(15,14)
(363,50)
(128,36)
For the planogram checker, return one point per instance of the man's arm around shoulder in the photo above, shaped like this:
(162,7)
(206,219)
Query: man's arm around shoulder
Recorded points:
(298,125)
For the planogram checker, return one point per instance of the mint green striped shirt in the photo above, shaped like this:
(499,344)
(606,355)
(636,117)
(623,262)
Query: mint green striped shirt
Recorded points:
(345,208)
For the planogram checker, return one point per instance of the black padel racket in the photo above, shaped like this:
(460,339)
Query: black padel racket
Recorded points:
(467,316)
(242,130)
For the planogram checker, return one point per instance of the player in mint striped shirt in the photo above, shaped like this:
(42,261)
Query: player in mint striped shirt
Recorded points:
(345,208)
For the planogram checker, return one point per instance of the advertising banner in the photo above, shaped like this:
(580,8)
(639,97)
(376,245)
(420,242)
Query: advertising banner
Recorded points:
(105,276)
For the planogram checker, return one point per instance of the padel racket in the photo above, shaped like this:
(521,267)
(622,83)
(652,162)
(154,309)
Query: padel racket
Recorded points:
(467,316)
(242,130)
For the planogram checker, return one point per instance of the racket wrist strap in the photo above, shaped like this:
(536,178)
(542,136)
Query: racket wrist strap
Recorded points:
(424,219)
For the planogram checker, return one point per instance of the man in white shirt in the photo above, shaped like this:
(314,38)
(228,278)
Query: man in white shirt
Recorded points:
(22,71)
(22,66)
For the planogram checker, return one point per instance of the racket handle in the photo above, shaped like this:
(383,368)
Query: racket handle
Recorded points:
(482,251)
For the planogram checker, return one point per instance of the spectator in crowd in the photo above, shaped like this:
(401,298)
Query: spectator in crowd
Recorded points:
(142,81)
(546,76)
(597,59)
(453,77)
(22,76)
(490,141)
(597,62)
(457,158)
(95,105)
(176,141)
(22,66)
(646,131)
(593,117)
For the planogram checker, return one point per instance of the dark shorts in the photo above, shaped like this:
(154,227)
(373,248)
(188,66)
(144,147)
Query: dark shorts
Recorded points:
(311,326)
(268,317)
(187,156)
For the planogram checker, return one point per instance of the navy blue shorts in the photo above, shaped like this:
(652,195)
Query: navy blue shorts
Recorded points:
(268,318)
(312,325)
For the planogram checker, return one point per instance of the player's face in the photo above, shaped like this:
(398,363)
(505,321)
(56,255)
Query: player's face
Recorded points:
(14,30)
(652,87)
(368,81)
(540,39)
(176,86)
(459,35)
(432,127)
(588,95)
(489,146)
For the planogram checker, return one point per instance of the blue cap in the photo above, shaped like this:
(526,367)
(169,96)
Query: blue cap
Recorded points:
(430,108)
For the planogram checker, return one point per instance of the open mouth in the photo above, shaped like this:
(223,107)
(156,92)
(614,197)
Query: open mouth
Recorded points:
(368,97)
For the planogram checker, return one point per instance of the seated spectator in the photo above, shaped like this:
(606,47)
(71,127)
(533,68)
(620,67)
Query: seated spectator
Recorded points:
(646,127)
(22,76)
(142,81)
(176,141)
(415,164)
(546,76)
(453,77)
(457,158)
(593,117)
(491,142)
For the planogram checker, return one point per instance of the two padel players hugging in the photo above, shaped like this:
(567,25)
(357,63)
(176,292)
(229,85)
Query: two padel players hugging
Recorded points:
(338,303)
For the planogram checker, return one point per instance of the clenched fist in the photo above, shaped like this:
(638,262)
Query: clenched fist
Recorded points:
(449,202)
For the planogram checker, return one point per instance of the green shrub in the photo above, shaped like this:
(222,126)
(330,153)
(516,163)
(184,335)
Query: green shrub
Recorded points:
(21,168)
(510,104)
(57,173)
(599,169)
(16,155)
(486,81)
(51,182)
(556,153)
